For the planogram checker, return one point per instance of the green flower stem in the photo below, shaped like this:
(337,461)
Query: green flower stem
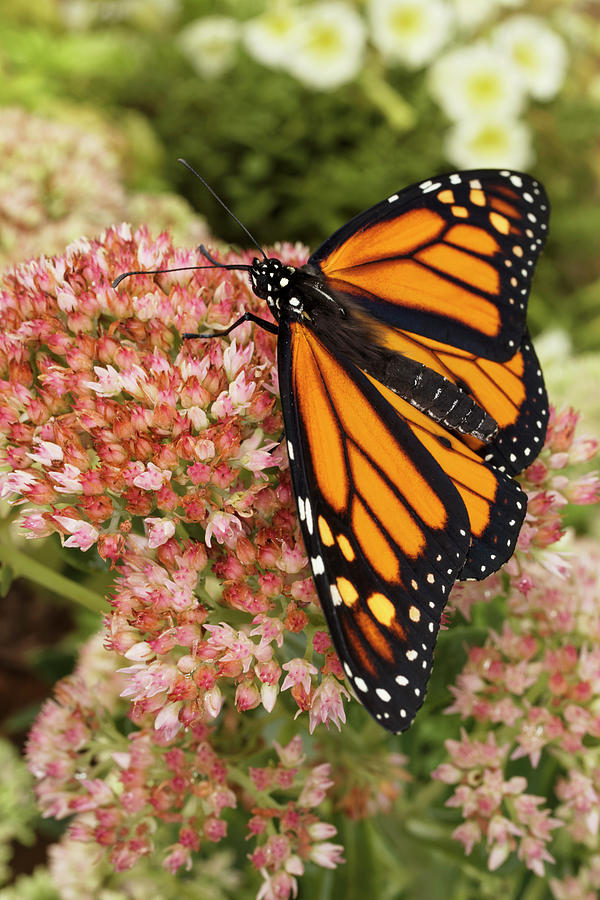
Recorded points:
(244,781)
(398,112)
(24,566)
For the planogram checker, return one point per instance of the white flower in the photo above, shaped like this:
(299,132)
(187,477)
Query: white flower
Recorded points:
(326,46)
(410,31)
(537,51)
(477,82)
(494,143)
(269,37)
(210,44)
(470,14)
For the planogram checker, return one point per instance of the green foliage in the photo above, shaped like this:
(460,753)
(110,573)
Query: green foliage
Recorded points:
(17,807)
(294,163)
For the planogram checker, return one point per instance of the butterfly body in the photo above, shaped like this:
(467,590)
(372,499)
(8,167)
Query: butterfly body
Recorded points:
(410,394)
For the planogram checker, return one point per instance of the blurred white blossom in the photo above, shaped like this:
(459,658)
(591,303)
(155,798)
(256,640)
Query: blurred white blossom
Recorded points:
(494,143)
(410,31)
(210,44)
(536,50)
(326,45)
(269,37)
(470,14)
(477,82)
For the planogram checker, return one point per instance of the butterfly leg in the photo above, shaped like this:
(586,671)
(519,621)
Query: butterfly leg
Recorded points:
(247,317)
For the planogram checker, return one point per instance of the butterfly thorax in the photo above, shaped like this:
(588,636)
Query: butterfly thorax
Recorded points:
(304,295)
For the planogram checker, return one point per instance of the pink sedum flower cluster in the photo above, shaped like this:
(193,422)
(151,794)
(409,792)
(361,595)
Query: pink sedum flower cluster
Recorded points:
(163,457)
(532,688)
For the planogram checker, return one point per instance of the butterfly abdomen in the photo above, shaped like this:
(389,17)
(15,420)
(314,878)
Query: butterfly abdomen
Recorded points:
(431,393)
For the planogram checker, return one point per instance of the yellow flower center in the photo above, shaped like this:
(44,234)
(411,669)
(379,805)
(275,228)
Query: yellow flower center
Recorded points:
(324,40)
(406,21)
(491,138)
(525,56)
(484,88)
(279,24)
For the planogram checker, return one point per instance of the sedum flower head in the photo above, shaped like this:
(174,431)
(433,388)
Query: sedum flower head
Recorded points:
(531,689)
(61,179)
(163,458)
(410,31)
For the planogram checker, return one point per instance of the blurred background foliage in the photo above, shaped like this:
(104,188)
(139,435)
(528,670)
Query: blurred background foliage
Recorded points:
(147,82)
(299,114)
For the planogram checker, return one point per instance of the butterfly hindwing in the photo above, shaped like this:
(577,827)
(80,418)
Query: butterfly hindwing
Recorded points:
(495,503)
(512,392)
(450,258)
(385,528)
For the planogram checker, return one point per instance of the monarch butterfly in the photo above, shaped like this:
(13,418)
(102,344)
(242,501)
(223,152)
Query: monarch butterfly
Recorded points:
(411,393)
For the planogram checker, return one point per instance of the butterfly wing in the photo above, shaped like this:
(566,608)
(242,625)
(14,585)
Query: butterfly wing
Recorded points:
(391,507)
(495,503)
(511,391)
(450,258)
(446,265)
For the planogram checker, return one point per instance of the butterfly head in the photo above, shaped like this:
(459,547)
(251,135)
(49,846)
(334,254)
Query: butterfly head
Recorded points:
(271,281)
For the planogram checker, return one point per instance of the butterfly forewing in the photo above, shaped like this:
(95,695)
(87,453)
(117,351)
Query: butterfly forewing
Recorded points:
(385,528)
(450,258)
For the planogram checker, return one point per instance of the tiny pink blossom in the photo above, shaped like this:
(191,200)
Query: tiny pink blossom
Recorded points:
(290,755)
(316,786)
(299,671)
(35,524)
(236,358)
(159,531)
(153,478)
(327,854)
(327,704)
(224,527)
(213,701)
(268,696)
(46,453)
(83,534)
(167,720)
(108,384)
(16,483)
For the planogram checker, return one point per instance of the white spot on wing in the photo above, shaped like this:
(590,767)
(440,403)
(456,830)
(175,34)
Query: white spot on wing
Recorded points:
(309,518)
(317,565)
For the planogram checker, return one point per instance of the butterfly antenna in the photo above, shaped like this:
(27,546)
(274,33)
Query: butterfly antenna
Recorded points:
(225,207)
(216,265)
